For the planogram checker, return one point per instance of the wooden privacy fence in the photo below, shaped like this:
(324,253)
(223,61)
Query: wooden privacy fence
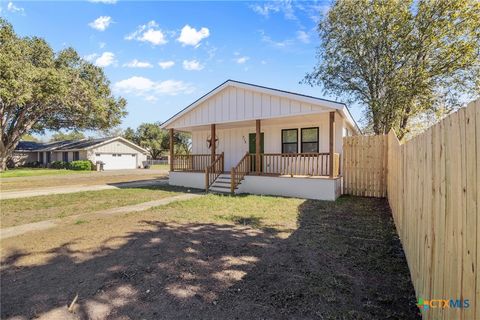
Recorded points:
(433,188)
(365,166)
(434,193)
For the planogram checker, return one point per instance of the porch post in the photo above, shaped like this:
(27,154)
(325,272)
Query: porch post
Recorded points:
(332,143)
(171,149)
(257,146)
(213,146)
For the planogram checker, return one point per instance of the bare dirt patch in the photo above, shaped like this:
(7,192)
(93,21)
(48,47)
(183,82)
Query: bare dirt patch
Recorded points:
(343,260)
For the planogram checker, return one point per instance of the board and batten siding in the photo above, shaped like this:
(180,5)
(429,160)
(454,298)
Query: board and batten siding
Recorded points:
(234,141)
(238,104)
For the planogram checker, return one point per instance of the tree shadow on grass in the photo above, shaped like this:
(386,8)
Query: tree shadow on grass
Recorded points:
(343,262)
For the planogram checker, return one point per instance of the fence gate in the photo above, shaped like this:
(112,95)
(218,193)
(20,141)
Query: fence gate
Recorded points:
(365,166)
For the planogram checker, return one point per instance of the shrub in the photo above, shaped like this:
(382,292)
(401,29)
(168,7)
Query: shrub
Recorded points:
(80,165)
(59,165)
(33,164)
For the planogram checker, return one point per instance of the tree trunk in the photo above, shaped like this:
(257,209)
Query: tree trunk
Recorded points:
(4,155)
(6,151)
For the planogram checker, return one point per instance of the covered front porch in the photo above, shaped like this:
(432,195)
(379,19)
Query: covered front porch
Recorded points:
(241,157)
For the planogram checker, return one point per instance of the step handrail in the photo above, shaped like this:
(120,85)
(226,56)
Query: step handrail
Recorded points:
(213,171)
(239,172)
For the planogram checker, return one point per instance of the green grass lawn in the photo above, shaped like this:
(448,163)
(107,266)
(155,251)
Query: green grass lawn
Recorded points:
(160,167)
(30,172)
(27,210)
(248,210)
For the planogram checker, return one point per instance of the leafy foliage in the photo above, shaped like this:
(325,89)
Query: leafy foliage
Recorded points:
(81,165)
(59,165)
(73,135)
(156,140)
(400,59)
(43,90)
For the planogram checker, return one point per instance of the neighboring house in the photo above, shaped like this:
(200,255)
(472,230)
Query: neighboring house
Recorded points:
(115,153)
(253,139)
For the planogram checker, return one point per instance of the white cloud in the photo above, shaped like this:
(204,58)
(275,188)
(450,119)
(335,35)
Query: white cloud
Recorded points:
(101,23)
(150,90)
(273,7)
(103,1)
(191,65)
(166,64)
(303,36)
(138,64)
(106,59)
(90,57)
(13,8)
(265,9)
(134,84)
(149,32)
(277,44)
(190,36)
(102,45)
(241,60)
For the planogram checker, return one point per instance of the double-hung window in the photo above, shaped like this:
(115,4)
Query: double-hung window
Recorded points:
(309,140)
(289,140)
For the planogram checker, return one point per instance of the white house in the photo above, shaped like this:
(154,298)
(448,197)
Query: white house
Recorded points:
(115,153)
(252,139)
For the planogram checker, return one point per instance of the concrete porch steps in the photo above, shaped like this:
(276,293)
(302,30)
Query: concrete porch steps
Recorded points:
(221,184)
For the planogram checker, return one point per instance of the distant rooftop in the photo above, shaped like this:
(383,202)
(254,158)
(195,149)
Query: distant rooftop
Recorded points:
(59,145)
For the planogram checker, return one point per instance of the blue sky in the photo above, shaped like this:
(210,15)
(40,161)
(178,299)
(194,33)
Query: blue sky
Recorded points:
(161,56)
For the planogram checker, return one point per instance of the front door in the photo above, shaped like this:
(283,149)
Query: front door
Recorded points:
(252,147)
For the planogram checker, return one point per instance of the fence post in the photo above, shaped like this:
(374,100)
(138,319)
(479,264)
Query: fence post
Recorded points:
(206,179)
(232,180)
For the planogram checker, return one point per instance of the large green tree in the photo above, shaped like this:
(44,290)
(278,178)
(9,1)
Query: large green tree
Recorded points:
(156,140)
(400,59)
(43,90)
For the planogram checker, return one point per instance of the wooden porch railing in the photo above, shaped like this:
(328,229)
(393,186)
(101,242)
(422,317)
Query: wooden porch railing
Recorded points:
(302,164)
(240,171)
(214,170)
(192,162)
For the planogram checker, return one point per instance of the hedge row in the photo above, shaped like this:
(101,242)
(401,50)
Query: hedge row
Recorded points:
(79,165)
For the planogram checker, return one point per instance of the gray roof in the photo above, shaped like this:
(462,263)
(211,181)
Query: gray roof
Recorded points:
(29,146)
(59,145)
(82,144)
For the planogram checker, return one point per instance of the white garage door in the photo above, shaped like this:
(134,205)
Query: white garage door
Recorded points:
(116,161)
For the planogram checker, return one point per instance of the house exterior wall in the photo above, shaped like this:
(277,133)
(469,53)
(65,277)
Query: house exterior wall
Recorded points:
(234,141)
(116,147)
(238,104)
(187,179)
(307,188)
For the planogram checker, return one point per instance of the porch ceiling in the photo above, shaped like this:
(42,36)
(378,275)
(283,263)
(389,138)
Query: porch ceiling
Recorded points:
(280,120)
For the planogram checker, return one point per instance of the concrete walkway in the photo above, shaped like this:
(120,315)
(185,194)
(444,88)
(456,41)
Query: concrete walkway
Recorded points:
(78,188)
(47,224)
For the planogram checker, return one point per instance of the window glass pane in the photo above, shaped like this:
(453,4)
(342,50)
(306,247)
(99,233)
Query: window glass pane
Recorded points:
(289,135)
(310,135)
(289,148)
(309,147)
